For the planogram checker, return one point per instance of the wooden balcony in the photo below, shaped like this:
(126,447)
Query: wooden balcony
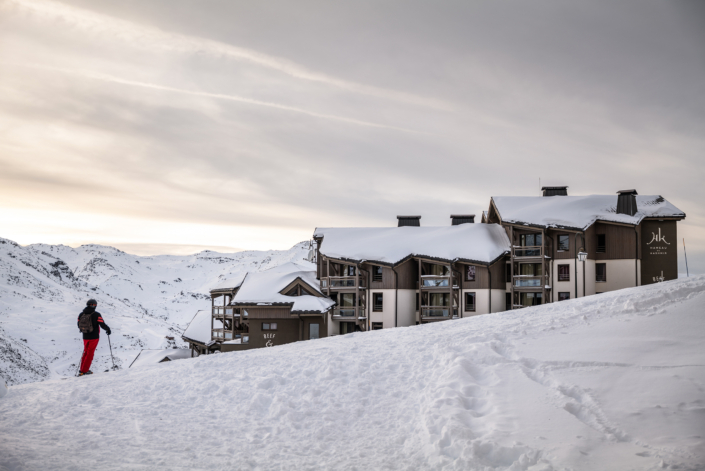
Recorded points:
(535,252)
(434,281)
(349,313)
(529,283)
(438,313)
(343,282)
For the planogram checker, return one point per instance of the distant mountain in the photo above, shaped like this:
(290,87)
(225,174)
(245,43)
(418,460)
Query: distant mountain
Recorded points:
(143,299)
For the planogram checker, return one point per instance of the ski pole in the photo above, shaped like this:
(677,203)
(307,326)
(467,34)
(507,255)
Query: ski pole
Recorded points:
(111,353)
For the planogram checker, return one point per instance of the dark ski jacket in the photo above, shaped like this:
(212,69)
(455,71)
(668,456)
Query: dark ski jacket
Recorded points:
(97,320)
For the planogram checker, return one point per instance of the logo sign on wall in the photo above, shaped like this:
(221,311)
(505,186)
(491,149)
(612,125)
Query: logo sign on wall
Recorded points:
(658,244)
(270,340)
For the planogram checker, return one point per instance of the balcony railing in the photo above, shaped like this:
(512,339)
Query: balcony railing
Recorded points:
(528,281)
(225,335)
(527,251)
(438,312)
(435,281)
(348,312)
(338,282)
(221,311)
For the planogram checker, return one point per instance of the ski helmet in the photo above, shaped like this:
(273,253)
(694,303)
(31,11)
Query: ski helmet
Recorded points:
(91,302)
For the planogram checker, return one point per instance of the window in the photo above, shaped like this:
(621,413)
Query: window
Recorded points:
(508,273)
(530,240)
(346,328)
(563,243)
(563,296)
(601,243)
(346,299)
(377,302)
(349,270)
(530,299)
(377,326)
(508,301)
(469,301)
(600,272)
(376,273)
(563,272)
(313,331)
(269,326)
(440,299)
(470,273)
(417,301)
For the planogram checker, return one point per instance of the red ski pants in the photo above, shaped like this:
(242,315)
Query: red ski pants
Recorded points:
(88,351)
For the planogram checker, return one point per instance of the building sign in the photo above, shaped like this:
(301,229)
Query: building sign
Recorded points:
(659,255)
(270,340)
(658,244)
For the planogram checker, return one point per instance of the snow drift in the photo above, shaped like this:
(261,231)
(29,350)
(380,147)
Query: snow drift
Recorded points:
(610,382)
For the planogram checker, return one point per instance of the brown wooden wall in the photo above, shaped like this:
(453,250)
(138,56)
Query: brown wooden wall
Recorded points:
(408,273)
(620,241)
(288,331)
(387,278)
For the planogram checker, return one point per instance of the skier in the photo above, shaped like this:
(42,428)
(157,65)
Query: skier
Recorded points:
(88,322)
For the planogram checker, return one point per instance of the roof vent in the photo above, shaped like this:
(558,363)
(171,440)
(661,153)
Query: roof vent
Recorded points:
(626,202)
(414,221)
(554,190)
(462,219)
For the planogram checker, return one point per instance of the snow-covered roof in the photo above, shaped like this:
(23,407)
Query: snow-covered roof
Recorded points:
(264,288)
(481,243)
(151,357)
(578,212)
(230,283)
(200,327)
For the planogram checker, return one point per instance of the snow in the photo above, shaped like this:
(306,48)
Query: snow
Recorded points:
(482,243)
(614,381)
(264,288)
(200,327)
(578,212)
(143,299)
(3,388)
(151,357)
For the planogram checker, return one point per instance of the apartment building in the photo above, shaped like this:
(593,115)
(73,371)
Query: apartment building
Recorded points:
(564,247)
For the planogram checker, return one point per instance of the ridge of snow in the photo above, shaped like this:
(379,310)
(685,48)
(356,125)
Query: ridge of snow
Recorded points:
(578,212)
(482,243)
(612,381)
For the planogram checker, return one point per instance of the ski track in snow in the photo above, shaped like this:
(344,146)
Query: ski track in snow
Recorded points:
(143,300)
(609,382)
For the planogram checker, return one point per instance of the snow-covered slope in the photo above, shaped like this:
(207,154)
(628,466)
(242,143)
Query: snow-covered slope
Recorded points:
(614,381)
(143,299)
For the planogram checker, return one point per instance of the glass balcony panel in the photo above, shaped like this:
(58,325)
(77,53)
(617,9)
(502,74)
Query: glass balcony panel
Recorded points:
(527,252)
(528,281)
(434,282)
(435,312)
(228,335)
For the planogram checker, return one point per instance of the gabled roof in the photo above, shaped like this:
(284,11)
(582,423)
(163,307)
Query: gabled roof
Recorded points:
(264,288)
(477,243)
(229,284)
(578,212)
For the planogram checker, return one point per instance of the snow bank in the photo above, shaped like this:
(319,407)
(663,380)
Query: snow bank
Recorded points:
(614,381)
(578,212)
(3,388)
(482,243)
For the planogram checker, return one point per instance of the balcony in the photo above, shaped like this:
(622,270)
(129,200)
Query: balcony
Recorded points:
(351,313)
(438,312)
(526,252)
(224,311)
(435,281)
(342,282)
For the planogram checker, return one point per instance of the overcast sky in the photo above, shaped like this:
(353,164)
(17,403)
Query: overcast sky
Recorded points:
(173,126)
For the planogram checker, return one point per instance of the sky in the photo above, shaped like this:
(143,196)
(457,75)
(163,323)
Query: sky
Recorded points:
(175,126)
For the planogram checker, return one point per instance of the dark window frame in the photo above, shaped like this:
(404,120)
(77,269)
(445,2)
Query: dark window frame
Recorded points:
(565,295)
(508,301)
(377,325)
(567,245)
(375,306)
(471,307)
(508,273)
(561,276)
(598,278)
(601,248)
(269,326)
(375,275)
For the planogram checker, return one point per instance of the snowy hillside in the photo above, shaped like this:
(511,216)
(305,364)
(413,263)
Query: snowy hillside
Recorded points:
(609,382)
(143,299)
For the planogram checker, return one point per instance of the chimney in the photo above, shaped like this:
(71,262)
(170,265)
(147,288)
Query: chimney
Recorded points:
(626,202)
(457,219)
(414,221)
(554,190)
